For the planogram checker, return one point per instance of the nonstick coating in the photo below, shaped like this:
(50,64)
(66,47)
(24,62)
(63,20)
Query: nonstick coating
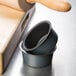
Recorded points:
(36,60)
(41,39)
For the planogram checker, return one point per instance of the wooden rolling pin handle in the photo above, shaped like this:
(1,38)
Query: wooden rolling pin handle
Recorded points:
(62,6)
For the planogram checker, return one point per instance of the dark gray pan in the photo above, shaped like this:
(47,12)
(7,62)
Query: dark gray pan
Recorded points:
(41,39)
(36,61)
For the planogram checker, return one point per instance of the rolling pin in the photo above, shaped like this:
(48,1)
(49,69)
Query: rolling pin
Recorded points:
(59,5)
(19,5)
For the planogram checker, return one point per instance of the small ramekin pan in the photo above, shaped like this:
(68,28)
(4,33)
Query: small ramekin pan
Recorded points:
(36,61)
(41,39)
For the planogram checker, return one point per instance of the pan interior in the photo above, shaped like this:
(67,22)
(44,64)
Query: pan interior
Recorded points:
(36,34)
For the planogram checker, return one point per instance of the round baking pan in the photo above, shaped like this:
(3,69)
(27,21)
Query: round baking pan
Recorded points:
(41,39)
(36,61)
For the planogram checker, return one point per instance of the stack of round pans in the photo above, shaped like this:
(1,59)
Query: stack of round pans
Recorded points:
(39,45)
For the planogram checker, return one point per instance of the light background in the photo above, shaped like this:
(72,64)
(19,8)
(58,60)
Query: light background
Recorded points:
(64,59)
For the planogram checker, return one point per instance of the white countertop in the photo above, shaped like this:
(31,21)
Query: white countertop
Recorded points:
(64,59)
